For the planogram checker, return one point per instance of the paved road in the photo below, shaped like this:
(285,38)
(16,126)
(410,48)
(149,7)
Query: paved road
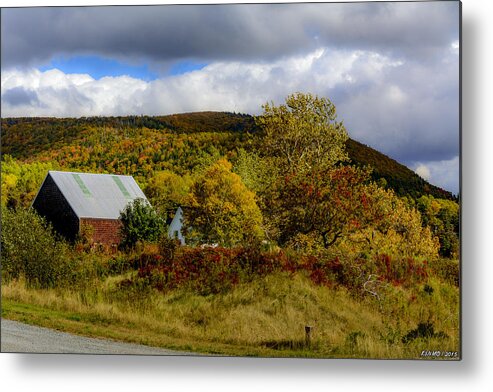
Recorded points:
(22,338)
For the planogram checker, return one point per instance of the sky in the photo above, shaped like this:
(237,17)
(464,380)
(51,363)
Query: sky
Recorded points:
(391,68)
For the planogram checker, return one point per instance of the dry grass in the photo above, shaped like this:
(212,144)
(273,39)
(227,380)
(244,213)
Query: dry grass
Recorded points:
(263,318)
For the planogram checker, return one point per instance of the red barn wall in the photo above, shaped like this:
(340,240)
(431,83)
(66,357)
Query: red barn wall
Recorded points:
(106,231)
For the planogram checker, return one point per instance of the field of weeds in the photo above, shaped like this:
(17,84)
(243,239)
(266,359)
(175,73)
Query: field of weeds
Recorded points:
(263,313)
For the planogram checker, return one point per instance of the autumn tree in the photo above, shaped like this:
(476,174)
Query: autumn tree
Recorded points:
(221,209)
(324,206)
(167,190)
(343,209)
(20,181)
(303,134)
(317,200)
(395,227)
(302,145)
(442,216)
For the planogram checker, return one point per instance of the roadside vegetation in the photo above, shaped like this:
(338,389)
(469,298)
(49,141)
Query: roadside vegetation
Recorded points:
(263,314)
(285,233)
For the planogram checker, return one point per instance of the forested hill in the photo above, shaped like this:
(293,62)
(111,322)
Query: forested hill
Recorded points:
(397,176)
(138,144)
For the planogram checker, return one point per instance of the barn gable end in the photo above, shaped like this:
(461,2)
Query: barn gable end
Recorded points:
(54,207)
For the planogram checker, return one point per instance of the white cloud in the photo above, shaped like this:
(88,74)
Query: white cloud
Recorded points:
(395,95)
(423,172)
(69,95)
(233,86)
(407,110)
(454,47)
(444,174)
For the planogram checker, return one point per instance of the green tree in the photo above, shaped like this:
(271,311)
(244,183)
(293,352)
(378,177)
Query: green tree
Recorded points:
(221,209)
(258,176)
(140,222)
(31,249)
(303,134)
(254,171)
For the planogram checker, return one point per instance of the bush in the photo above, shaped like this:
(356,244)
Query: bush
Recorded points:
(140,222)
(212,270)
(31,248)
(168,246)
(205,270)
(424,331)
(355,273)
(447,270)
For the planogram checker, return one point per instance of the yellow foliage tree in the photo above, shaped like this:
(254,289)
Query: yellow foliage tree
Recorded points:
(221,210)
(394,228)
(21,181)
(167,190)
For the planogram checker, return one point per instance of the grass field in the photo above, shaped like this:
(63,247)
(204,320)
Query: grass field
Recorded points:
(265,317)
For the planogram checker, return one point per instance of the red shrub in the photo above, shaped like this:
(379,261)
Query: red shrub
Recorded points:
(213,270)
(207,270)
(400,271)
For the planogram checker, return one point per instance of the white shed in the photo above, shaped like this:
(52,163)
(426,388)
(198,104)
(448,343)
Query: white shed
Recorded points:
(176,225)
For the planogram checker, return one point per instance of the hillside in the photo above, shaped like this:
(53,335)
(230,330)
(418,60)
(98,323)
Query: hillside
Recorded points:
(179,142)
(385,286)
(398,177)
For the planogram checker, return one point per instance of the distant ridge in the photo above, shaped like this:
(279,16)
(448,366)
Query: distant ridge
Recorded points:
(398,176)
(24,138)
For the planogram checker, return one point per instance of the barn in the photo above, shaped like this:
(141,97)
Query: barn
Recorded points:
(73,202)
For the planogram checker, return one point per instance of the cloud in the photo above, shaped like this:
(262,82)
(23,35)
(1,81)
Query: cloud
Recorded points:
(231,86)
(19,96)
(404,109)
(423,172)
(409,110)
(64,95)
(444,174)
(237,32)
(392,69)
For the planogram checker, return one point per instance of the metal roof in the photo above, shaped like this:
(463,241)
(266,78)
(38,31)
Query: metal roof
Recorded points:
(97,195)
